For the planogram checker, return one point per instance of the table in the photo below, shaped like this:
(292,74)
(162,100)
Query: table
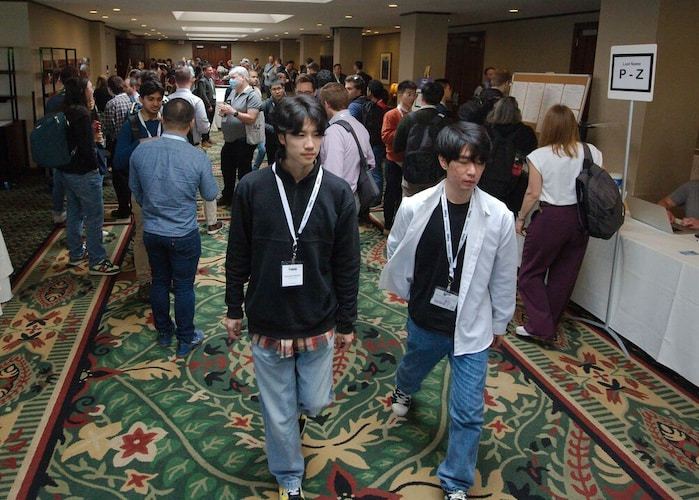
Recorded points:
(655,301)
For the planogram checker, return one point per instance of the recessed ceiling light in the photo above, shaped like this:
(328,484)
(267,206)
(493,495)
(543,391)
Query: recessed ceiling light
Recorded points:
(105,17)
(93,12)
(144,26)
(397,26)
(514,11)
(393,5)
(348,16)
(286,32)
(319,24)
(302,29)
(152,29)
(376,32)
(134,19)
(116,9)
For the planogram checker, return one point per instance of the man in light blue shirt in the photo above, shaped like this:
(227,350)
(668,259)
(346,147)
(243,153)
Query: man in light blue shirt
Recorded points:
(165,176)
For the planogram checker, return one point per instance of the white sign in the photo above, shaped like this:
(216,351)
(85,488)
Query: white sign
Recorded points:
(632,72)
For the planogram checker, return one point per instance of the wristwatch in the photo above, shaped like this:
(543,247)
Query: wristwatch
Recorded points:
(235,114)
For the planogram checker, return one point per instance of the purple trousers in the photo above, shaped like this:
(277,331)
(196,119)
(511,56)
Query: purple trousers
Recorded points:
(555,245)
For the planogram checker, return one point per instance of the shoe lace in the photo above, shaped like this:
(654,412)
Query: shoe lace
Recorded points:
(400,397)
(457,495)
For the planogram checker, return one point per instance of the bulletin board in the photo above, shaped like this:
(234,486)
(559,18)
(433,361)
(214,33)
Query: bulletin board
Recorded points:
(537,92)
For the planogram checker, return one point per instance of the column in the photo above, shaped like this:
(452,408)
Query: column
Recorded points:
(289,50)
(310,47)
(423,42)
(347,47)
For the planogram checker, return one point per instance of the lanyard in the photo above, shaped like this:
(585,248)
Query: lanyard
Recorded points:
(287,210)
(447,236)
(160,123)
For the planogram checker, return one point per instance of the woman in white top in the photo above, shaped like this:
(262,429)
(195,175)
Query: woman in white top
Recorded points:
(555,242)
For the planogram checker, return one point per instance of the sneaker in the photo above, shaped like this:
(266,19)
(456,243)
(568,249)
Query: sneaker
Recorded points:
(76,262)
(291,493)
(400,402)
(521,332)
(221,202)
(185,348)
(302,423)
(59,217)
(456,495)
(116,214)
(104,268)
(143,293)
(214,228)
(165,337)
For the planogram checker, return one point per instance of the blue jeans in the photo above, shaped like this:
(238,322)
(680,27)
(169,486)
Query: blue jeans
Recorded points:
(84,202)
(260,156)
(379,155)
(58,192)
(468,372)
(173,260)
(289,387)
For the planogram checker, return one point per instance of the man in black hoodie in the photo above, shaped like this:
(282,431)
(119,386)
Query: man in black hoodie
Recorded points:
(294,240)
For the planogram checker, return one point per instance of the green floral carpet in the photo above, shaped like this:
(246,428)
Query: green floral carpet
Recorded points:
(577,420)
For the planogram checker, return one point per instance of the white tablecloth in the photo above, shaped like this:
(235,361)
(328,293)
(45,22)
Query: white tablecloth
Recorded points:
(5,272)
(655,303)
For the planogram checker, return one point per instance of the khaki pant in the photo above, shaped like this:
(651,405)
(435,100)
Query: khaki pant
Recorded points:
(140,256)
(210,212)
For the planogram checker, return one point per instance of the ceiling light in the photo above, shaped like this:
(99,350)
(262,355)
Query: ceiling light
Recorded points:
(217,35)
(144,26)
(134,19)
(105,17)
(93,12)
(393,5)
(116,9)
(319,24)
(302,29)
(229,17)
(514,11)
(397,26)
(221,29)
(348,16)
(152,29)
(286,32)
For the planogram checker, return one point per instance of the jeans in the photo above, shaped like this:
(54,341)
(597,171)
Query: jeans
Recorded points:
(260,156)
(173,260)
(289,387)
(58,192)
(84,202)
(379,155)
(468,372)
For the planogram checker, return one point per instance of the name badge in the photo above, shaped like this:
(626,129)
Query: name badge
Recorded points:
(444,299)
(292,274)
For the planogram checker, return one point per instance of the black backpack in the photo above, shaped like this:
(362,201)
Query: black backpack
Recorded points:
(600,208)
(476,109)
(420,162)
(372,119)
(498,178)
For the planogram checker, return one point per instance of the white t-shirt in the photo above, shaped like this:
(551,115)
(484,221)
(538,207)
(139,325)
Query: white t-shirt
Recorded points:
(558,173)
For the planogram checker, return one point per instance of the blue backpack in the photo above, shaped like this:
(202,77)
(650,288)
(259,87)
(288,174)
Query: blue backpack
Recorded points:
(49,141)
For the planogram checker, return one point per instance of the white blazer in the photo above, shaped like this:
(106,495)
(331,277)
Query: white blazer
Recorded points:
(488,288)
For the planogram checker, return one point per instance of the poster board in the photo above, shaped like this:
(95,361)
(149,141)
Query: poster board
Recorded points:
(537,92)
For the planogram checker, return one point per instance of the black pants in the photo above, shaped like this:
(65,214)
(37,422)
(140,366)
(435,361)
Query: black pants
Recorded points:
(393,195)
(120,181)
(236,161)
(210,117)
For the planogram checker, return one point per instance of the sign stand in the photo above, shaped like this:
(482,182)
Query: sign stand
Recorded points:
(631,77)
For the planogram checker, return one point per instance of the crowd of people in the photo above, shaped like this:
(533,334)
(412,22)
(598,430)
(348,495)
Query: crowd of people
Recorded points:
(478,177)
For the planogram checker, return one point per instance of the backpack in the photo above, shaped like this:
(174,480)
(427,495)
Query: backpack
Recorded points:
(49,141)
(502,176)
(372,119)
(420,162)
(600,208)
(476,109)
(367,190)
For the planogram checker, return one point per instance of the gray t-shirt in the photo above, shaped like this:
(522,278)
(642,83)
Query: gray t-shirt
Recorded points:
(687,195)
(232,128)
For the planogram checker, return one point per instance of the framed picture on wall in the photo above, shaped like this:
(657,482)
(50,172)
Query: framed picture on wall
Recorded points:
(385,76)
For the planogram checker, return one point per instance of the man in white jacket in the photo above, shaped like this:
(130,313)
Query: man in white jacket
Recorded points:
(453,255)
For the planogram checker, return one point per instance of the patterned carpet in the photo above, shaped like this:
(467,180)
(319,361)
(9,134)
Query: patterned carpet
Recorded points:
(575,421)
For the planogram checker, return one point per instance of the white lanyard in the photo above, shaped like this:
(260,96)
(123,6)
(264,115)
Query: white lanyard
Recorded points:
(160,123)
(287,210)
(447,236)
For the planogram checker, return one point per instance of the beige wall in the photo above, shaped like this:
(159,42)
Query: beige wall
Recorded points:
(536,46)
(165,48)
(664,132)
(14,32)
(372,48)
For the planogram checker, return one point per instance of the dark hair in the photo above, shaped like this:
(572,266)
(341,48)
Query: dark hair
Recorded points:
(405,85)
(443,81)
(149,74)
(432,93)
(276,82)
(485,71)
(115,84)
(359,65)
(306,79)
(323,77)
(291,113)
(504,112)
(358,82)
(452,139)
(178,112)
(68,72)
(314,66)
(376,87)
(75,91)
(149,87)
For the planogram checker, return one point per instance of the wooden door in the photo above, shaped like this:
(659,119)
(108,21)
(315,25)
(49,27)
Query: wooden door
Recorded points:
(212,52)
(465,53)
(582,55)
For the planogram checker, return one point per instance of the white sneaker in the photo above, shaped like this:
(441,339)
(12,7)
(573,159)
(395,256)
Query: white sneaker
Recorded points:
(59,217)
(400,402)
(522,332)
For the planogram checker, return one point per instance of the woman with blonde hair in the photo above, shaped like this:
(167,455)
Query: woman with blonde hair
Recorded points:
(555,242)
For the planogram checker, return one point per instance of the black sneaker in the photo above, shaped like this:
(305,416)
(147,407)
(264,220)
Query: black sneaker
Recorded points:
(104,268)
(116,214)
(400,402)
(291,493)
(456,495)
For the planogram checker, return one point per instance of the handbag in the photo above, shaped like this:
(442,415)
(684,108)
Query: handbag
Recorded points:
(367,190)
